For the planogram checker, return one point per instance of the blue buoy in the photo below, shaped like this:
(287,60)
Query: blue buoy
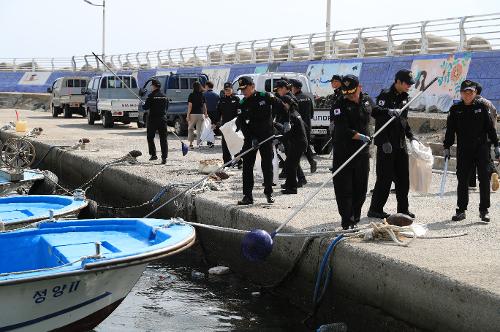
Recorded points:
(257,245)
(185,148)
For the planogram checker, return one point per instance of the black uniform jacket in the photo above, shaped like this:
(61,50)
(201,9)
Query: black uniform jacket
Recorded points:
(471,124)
(306,108)
(157,104)
(399,128)
(255,117)
(351,118)
(228,108)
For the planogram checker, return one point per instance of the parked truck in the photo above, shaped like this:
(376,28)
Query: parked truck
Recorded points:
(321,119)
(177,88)
(66,96)
(107,99)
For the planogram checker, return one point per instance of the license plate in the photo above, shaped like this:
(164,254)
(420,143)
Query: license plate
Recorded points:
(319,131)
(133,114)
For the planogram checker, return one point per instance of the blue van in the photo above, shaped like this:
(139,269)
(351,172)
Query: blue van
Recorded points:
(177,88)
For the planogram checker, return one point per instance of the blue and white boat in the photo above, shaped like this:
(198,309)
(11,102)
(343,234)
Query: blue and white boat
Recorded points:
(69,276)
(16,211)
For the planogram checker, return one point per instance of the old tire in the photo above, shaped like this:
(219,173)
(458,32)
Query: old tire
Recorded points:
(46,186)
(67,112)
(90,117)
(90,211)
(107,120)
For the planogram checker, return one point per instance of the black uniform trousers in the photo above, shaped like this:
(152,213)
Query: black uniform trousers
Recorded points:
(350,185)
(159,126)
(467,160)
(309,152)
(226,155)
(299,172)
(491,168)
(391,167)
(266,155)
(293,169)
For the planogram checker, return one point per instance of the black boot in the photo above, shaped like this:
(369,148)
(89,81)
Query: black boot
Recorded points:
(247,200)
(485,216)
(289,191)
(153,158)
(301,182)
(314,166)
(270,199)
(409,214)
(379,215)
(459,215)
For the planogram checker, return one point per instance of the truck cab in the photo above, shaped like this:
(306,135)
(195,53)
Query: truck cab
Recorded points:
(66,96)
(107,99)
(321,118)
(177,88)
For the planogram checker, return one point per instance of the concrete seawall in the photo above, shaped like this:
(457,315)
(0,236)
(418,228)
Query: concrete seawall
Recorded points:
(391,278)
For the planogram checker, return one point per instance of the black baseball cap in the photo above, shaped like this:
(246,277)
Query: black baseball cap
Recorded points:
(296,83)
(281,84)
(336,78)
(244,81)
(405,75)
(228,85)
(468,85)
(349,84)
(155,82)
(479,88)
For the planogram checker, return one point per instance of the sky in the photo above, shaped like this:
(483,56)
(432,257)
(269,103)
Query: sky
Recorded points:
(62,28)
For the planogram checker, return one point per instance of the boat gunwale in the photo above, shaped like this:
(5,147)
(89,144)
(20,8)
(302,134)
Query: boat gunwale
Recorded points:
(111,264)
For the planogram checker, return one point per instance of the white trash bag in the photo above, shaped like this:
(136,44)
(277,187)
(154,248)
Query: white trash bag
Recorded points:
(420,162)
(207,133)
(234,140)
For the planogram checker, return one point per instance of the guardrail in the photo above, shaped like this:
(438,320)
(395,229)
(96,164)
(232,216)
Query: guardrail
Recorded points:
(468,33)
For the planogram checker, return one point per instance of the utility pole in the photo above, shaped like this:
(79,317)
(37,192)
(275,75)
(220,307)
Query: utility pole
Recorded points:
(328,28)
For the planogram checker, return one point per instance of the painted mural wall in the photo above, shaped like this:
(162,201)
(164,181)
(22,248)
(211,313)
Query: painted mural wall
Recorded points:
(374,73)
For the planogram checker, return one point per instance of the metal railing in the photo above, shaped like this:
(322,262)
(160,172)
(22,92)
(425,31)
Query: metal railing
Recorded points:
(469,33)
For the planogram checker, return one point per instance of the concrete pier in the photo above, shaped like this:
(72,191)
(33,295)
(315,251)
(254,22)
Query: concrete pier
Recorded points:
(443,284)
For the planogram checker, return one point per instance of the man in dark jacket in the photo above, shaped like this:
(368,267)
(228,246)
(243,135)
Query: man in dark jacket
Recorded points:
(255,119)
(157,104)
(227,107)
(351,116)
(392,153)
(212,99)
(306,111)
(469,120)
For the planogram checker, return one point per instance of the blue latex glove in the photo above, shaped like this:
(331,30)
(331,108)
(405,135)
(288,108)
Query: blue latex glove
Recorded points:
(364,138)
(497,152)
(286,127)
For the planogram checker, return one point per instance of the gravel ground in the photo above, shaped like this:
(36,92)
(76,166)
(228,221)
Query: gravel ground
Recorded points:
(473,259)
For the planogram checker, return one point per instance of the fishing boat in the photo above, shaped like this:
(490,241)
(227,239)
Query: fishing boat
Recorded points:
(17,211)
(71,275)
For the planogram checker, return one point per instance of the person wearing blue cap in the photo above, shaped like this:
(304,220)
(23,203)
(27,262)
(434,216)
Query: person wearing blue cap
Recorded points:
(351,116)
(392,153)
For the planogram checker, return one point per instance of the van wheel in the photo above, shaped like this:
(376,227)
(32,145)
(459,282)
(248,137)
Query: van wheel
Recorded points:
(180,126)
(107,120)
(67,112)
(90,117)
(55,111)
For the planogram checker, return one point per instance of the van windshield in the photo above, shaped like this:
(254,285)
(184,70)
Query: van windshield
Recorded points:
(76,83)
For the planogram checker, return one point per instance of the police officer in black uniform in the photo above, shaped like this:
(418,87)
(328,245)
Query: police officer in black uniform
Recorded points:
(227,106)
(306,111)
(256,122)
(392,153)
(157,104)
(351,116)
(469,120)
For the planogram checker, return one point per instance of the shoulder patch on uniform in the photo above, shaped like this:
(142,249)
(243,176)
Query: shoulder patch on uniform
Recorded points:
(381,102)
(336,111)
(477,111)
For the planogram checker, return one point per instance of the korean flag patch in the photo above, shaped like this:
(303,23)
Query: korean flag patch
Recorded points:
(336,111)
(381,102)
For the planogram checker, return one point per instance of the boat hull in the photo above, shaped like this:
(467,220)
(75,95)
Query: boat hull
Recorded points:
(67,303)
